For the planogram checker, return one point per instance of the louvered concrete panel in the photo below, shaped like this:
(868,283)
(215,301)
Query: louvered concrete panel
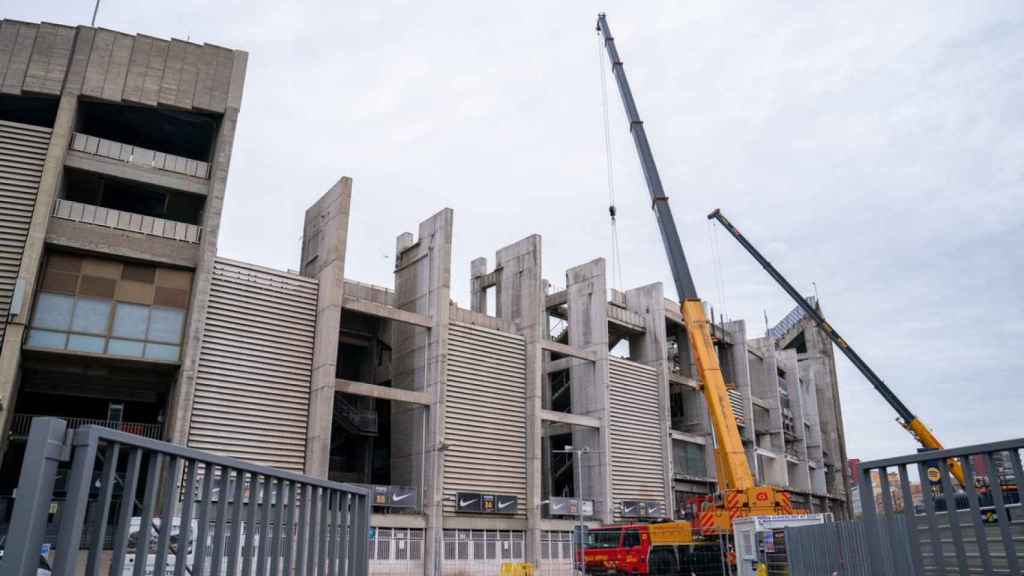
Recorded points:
(485,414)
(22,154)
(637,457)
(252,384)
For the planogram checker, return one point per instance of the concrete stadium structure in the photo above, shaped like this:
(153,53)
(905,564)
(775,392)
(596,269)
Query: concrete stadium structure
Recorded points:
(114,156)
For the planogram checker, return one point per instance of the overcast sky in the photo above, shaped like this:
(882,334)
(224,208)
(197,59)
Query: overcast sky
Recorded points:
(873,149)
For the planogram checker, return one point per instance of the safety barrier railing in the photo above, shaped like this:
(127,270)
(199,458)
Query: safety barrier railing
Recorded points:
(231,517)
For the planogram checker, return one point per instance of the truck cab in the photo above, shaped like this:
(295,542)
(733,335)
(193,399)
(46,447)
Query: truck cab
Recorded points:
(618,549)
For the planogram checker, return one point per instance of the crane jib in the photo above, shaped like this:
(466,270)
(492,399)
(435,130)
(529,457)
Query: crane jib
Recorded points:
(901,409)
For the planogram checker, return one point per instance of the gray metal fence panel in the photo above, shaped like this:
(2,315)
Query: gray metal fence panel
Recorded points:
(974,528)
(199,513)
(842,548)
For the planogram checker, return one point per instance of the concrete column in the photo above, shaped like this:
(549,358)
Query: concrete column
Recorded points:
(180,409)
(324,243)
(31,259)
(477,293)
(587,296)
(651,349)
(522,302)
(419,358)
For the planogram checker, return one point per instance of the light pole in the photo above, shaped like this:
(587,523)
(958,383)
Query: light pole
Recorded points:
(577,457)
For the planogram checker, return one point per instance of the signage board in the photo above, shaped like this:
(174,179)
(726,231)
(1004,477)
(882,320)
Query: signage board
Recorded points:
(478,503)
(569,507)
(395,496)
(643,509)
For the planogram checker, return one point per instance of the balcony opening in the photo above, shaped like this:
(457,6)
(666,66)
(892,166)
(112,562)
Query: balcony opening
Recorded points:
(117,393)
(132,197)
(184,134)
(28,110)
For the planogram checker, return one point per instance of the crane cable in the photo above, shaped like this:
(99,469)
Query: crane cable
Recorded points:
(616,271)
(716,257)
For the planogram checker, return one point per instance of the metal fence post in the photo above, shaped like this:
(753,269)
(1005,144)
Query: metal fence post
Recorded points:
(32,499)
(867,502)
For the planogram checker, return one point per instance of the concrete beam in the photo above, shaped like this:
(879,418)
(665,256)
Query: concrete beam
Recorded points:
(686,437)
(566,350)
(136,173)
(555,299)
(691,383)
(571,419)
(381,392)
(560,364)
(382,311)
(121,243)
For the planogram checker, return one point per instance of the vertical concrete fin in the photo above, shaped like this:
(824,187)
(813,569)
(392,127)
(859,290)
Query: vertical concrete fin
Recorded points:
(137,65)
(17,66)
(324,241)
(117,67)
(189,76)
(99,61)
(172,73)
(206,72)
(39,61)
(79,59)
(154,71)
(8,38)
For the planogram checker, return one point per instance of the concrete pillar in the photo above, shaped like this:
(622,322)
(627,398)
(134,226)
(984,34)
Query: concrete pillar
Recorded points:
(180,409)
(587,295)
(651,349)
(522,302)
(419,358)
(324,243)
(31,259)
(477,292)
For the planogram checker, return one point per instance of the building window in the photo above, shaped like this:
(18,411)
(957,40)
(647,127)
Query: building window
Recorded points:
(108,307)
(689,459)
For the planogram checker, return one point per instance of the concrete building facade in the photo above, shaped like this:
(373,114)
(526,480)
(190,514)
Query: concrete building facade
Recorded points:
(114,154)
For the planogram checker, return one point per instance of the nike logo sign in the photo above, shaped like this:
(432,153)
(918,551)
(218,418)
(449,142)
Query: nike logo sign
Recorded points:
(466,502)
(400,497)
(505,504)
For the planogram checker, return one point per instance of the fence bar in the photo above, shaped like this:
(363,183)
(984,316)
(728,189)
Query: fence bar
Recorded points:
(288,533)
(35,486)
(236,520)
(343,545)
(336,528)
(954,516)
(203,529)
(979,523)
(1018,474)
(148,504)
(911,521)
(99,533)
(300,544)
(170,496)
(1002,515)
(266,534)
(250,522)
(278,534)
(867,499)
(929,509)
(218,527)
(351,554)
(324,535)
(363,529)
(313,553)
(185,530)
(127,510)
(69,538)
(887,507)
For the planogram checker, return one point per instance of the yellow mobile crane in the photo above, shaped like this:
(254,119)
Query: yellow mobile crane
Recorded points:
(907,419)
(738,494)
